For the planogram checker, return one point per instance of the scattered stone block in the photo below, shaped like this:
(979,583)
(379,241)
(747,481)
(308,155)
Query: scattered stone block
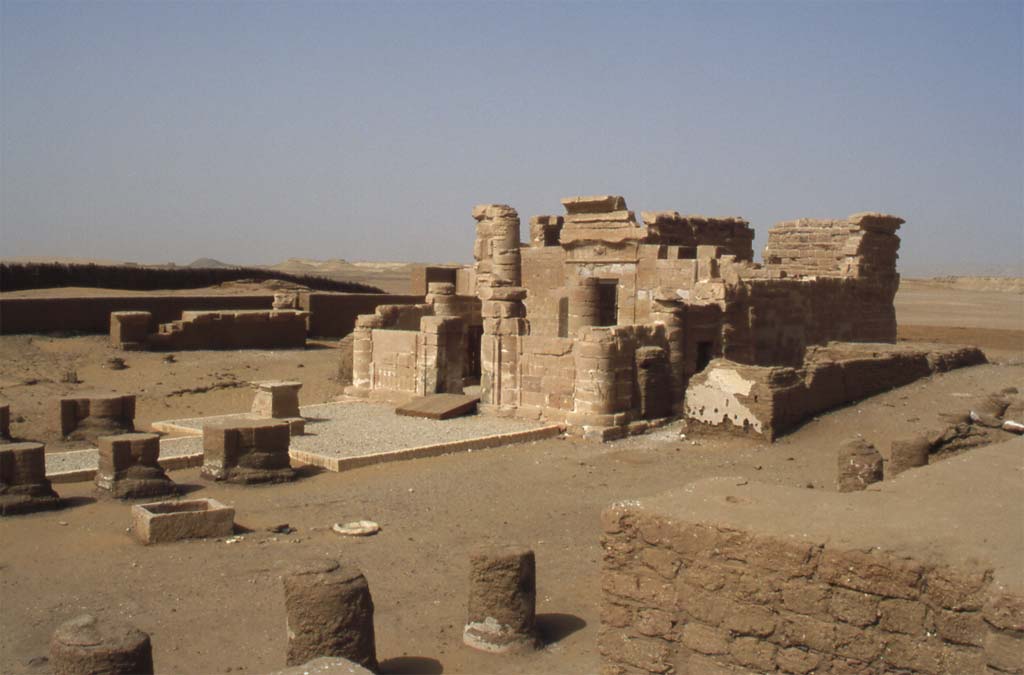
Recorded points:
(23,484)
(276,399)
(129,467)
(162,522)
(988,410)
(860,465)
(439,406)
(502,600)
(907,454)
(245,452)
(88,646)
(5,421)
(329,613)
(129,330)
(326,665)
(87,418)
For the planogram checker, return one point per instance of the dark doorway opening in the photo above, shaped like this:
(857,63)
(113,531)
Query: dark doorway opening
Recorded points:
(704,355)
(608,302)
(474,336)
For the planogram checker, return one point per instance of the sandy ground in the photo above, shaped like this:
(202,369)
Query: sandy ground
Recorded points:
(217,607)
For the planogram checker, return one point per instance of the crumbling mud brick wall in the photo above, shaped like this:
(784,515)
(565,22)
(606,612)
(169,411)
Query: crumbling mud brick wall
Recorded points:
(92,315)
(333,315)
(688,590)
(275,329)
(768,401)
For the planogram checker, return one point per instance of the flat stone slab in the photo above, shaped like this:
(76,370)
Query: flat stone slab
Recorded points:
(439,406)
(338,436)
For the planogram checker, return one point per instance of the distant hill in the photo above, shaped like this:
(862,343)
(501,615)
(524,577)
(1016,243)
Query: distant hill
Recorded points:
(209,263)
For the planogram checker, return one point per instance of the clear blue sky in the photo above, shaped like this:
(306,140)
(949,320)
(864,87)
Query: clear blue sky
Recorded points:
(255,131)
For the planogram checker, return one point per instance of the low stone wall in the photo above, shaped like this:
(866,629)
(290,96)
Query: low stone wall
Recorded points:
(726,577)
(92,314)
(768,401)
(277,329)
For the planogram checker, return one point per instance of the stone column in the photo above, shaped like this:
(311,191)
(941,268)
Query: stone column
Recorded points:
(502,599)
(245,452)
(653,382)
(669,312)
(362,353)
(497,245)
(87,646)
(329,613)
(584,304)
(23,483)
(442,296)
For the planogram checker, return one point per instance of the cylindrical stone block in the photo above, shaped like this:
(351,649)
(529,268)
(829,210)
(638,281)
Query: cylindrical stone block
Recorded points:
(584,304)
(87,646)
(908,454)
(502,599)
(329,613)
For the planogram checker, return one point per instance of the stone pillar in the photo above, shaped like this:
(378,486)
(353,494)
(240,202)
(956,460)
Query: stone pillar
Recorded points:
(442,296)
(87,646)
(329,613)
(129,467)
(246,452)
(502,599)
(362,354)
(653,383)
(87,418)
(860,465)
(276,399)
(497,245)
(670,313)
(5,421)
(584,304)
(129,330)
(439,363)
(907,454)
(23,483)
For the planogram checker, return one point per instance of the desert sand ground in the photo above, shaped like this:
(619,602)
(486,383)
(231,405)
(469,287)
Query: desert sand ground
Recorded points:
(217,607)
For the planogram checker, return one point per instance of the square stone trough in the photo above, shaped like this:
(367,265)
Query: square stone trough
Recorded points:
(162,522)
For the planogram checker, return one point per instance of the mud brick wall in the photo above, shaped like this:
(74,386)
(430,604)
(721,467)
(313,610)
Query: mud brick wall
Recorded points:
(334,314)
(421,276)
(92,315)
(692,598)
(276,329)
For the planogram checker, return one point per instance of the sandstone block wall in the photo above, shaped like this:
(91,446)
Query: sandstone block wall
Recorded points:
(275,329)
(863,245)
(689,589)
(687,232)
(770,401)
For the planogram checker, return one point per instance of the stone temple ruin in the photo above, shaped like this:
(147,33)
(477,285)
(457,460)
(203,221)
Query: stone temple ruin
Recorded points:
(604,323)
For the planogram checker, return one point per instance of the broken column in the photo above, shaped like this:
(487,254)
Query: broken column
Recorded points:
(23,484)
(88,646)
(584,304)
(129,467)
(654,383)
(860,465)
(86,418)
(502,599)
(329,613)
(907,454)
(130,330)
(248,451)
